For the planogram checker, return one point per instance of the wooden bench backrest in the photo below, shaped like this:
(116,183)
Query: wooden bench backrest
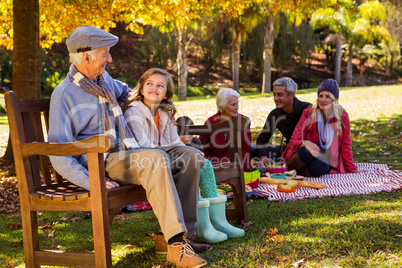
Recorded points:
(234,127)
(29,122)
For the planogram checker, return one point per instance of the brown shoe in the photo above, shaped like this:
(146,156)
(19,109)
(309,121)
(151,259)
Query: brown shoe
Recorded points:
(182,254)
(161,244)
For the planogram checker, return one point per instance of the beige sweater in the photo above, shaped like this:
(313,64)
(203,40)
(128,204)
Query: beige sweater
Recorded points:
(141,122)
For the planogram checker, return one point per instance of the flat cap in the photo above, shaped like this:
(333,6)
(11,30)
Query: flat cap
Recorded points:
(86,38)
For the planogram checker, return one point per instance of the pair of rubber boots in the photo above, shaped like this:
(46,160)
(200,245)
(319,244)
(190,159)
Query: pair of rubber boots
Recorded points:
(212,226)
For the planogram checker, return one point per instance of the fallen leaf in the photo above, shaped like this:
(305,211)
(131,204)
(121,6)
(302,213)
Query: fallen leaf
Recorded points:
(151,235)
(398,235)
(55,244)
(298,263)
(118,223)
(20,243)
(273,232)
(128,246)
(15,226)
(121,217)
(246,224)
(47,234)
(64,219)
(75,219)
(12,216)
(9,262)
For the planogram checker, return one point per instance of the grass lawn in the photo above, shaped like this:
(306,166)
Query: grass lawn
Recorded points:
(346,231)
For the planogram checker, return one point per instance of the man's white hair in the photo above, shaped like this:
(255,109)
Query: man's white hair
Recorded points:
(286,82)
(76,58)
(223,96)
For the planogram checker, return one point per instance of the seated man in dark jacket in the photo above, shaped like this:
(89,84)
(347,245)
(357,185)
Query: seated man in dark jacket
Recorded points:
(284,118)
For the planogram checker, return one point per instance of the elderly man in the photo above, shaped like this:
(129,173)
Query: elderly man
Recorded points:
(86,103)
(284,118)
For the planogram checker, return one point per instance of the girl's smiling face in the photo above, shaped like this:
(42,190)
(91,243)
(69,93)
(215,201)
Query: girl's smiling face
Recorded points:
(154,90)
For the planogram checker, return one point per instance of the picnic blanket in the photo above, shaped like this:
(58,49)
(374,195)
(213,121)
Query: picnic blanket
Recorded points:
(371,178)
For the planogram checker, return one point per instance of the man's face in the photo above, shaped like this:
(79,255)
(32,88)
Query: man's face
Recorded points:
(282,98)
(97,66)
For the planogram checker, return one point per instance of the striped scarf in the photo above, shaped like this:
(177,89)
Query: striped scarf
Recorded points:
(111,113)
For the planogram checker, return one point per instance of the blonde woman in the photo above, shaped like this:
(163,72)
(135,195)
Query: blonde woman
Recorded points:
(321,141)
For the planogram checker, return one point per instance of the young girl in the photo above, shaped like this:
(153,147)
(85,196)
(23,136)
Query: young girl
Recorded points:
(150,115)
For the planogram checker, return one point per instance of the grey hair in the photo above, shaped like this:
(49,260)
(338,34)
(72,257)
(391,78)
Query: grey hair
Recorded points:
(288,83)
(223,96)
(76,58)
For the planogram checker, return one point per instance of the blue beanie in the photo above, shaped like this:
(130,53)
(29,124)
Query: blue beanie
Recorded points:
(329,85)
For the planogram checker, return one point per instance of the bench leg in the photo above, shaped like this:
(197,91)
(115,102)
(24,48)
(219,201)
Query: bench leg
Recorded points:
(30,236)
(100,212)
(240,203)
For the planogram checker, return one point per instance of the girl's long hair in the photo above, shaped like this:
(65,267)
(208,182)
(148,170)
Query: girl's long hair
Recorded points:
(337,109)
(167,103)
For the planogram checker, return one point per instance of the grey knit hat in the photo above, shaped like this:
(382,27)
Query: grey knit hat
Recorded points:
(86,38)
(329,85)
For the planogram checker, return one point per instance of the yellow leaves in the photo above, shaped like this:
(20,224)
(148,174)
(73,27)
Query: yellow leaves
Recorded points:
(372,9)
(271,236)
(6,23)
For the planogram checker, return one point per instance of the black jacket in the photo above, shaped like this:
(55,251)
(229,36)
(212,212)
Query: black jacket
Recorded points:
(278,119)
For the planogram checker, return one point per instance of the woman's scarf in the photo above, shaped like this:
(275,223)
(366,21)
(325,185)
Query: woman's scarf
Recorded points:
(111,113)
(325,131)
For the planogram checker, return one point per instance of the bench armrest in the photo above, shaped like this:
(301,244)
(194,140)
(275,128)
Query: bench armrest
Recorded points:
(97,144)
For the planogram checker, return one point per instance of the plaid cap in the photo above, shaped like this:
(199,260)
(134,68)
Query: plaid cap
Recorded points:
(86,38)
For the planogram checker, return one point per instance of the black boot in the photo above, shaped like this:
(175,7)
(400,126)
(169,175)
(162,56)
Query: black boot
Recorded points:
(304,172)
(295,162)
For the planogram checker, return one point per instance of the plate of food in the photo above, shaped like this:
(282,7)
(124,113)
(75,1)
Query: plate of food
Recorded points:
(292,175)
(276,168)
(289,187)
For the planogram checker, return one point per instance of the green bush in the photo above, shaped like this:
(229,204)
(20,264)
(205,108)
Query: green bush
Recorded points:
(51,83)
(128,80)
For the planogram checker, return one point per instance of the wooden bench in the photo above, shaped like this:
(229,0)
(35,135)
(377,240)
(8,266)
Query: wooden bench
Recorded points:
(231,172)
(42,189)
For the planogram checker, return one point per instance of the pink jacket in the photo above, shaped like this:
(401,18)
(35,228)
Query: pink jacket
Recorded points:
(341,157)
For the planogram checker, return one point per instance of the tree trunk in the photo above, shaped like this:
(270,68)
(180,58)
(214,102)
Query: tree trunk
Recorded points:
(338,59)
(269,35)
(8,155)
(349,69)
(236,44)
(182,66)
(26,54)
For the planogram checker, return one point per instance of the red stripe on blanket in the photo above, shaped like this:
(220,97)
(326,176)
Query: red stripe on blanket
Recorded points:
(371,178)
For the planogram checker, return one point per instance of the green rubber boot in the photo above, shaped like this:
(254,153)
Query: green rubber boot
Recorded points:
(204,231)
(217,214)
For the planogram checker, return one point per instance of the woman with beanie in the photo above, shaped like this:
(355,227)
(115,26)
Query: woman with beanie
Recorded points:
(320,143)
